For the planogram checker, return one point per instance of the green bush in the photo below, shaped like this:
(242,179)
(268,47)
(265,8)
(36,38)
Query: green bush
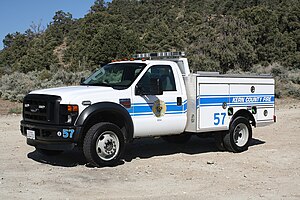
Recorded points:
(16,85)
(287,82)
(16,110)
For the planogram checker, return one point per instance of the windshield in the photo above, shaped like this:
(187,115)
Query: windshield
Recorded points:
(117,76)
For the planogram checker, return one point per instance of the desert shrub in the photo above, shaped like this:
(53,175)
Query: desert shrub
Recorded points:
(294,76)
(16,85)
(287,82)
(70,78)
(15,110)
(13,86)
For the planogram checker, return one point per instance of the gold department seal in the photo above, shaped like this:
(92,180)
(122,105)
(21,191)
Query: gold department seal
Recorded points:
(159,108)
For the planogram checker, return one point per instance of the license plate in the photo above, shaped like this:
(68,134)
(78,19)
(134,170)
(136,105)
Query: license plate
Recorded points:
(30,134)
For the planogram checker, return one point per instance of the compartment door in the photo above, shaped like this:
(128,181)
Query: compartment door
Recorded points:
(212,106)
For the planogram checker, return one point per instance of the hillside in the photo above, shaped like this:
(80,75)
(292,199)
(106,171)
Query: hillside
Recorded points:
(225,35)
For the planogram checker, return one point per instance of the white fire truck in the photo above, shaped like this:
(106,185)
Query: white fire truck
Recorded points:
(153,95)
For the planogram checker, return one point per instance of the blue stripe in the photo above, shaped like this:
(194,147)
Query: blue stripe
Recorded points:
(237,95)
(218,100)
(185,106)
(252,99)
(213,100)
(130,110)
(174,108)
(167,103)
(139,109)
(145,109)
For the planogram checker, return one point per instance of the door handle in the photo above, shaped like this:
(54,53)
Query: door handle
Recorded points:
(179,101)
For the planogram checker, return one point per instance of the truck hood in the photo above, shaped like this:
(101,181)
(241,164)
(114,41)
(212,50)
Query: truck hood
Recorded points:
(71,93)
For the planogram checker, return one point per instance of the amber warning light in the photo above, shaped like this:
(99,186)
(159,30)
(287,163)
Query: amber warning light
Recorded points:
(72,108)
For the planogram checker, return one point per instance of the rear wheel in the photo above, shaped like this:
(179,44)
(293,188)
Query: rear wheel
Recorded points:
(239,136)
(103,144)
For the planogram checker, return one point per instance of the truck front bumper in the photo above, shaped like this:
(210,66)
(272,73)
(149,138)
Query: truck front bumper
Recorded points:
(50,137)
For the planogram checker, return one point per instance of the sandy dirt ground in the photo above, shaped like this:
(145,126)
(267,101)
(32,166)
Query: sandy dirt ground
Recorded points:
(154,169)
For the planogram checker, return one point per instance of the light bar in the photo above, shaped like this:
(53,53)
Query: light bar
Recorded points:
(159,55)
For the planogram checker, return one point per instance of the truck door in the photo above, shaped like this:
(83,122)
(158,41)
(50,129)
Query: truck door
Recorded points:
(159,114)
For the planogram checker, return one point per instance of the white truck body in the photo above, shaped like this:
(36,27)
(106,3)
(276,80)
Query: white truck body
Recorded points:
(188,103)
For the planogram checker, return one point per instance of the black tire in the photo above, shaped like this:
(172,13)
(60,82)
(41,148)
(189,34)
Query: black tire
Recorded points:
(239,136)
(103,144)
(177,139)
(48,152)
(219,140)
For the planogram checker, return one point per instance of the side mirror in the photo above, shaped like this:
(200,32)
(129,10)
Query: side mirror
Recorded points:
(155,88)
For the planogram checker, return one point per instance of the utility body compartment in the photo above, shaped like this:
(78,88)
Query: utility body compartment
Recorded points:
(214,99)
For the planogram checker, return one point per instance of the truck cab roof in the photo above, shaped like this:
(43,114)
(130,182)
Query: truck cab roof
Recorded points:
(182,63)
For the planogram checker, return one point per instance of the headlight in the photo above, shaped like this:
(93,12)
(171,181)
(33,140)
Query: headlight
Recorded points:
(68,113)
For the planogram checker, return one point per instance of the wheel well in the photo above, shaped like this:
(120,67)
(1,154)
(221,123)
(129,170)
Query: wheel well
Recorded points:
(246,114)
(105,116)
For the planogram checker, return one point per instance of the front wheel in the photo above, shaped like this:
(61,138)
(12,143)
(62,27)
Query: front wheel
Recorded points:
(239,136)
(103,144)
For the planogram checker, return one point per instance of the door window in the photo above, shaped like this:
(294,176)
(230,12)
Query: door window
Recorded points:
(164,73)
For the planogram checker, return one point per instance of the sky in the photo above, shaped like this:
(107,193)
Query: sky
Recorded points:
(18,15)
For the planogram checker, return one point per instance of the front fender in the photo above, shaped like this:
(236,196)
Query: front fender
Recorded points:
(97,108)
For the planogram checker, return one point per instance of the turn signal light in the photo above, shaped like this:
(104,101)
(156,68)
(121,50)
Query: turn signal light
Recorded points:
(73,108)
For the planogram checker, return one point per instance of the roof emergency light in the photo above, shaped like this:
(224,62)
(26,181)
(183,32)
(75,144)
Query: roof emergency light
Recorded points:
(159,55)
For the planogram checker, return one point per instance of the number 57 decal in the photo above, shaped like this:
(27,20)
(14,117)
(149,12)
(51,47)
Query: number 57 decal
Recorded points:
(219,117)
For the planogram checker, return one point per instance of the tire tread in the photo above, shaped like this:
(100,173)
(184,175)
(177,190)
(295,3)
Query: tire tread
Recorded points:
(88,149)
(86,143)
(228,138)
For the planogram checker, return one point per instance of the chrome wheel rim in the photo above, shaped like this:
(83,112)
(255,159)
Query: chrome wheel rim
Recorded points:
(241,134)
(107,145)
